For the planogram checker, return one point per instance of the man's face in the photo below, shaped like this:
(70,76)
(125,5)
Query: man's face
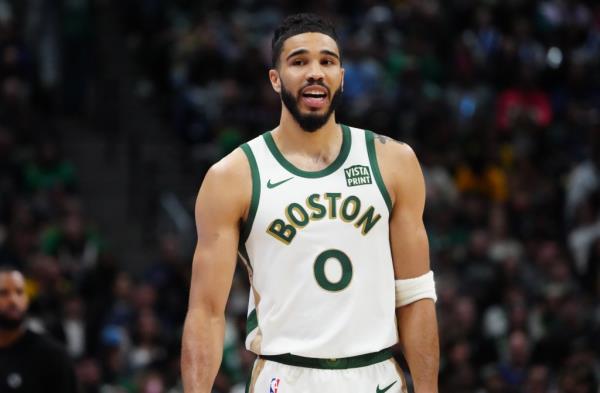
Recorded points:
(309,78)
(13,300)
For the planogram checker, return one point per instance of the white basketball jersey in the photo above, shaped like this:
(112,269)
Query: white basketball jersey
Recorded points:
(317,248)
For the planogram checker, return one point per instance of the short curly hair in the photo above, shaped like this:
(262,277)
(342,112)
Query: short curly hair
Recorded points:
(298,24)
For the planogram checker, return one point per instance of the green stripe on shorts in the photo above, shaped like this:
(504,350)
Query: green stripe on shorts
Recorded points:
(331,364)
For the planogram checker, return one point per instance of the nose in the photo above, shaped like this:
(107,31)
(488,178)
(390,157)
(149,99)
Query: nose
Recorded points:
(15,299)
(315,71)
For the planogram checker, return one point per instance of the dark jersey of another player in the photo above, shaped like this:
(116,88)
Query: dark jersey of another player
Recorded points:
(36,364)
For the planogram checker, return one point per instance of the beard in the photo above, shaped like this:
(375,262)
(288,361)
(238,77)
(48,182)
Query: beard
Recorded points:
(7,323)
(309,122)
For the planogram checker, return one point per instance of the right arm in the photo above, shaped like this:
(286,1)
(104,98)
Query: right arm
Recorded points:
(222,203)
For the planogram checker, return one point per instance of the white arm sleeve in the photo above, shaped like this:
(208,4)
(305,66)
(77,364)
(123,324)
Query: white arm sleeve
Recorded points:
(412,289)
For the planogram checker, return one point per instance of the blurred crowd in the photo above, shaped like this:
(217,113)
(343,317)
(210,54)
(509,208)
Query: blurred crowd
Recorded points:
(499,99)
(115,326)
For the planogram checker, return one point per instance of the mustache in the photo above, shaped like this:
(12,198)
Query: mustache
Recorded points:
(12,310)
(7,323)
(315,83)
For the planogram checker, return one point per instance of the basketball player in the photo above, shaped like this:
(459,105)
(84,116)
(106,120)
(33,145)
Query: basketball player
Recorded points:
(327,219)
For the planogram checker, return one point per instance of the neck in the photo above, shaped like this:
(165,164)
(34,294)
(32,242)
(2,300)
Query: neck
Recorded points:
(8,337)
(290,136)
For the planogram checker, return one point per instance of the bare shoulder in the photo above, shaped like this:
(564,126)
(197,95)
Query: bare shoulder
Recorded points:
(230,168)
(227,185)
(398,164)
(388,148)
(384,139)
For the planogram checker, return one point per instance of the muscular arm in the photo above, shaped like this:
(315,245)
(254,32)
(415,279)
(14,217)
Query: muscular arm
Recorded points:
(417,323)
(219,208)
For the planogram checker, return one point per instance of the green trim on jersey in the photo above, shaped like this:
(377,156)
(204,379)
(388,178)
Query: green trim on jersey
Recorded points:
(331,364)
(247,226)
(343,154)
(251,322)
(244,254)
(370,138)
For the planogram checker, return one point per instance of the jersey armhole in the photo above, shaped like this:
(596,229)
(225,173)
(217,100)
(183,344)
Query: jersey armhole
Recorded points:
(370,140)
(255,174)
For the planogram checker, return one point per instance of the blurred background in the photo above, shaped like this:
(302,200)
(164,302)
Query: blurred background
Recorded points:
(111,113)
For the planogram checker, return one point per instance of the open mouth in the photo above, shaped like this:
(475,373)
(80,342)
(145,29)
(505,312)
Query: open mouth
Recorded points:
(314,96)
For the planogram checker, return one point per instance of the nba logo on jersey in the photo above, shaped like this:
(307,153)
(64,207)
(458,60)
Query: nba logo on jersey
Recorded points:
(274,385)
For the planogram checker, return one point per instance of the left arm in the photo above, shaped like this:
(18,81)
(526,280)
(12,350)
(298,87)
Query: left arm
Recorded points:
(417,323)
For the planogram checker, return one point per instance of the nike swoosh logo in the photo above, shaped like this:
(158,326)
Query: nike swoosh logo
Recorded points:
(386,388)
(273,185)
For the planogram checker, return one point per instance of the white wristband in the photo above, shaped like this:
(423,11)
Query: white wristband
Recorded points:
(412,289)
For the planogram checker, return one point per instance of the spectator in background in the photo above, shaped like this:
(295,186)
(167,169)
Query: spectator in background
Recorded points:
(523,105)
(514,368)
(89,375)
(49,171)
(584,179)
(480,177)
(121,312)
(14,107)
(582,238)
(579,376)
(168,276)
(148,346)
(20,240)
(74,245)
(71,327)
(538,379)
(29,362)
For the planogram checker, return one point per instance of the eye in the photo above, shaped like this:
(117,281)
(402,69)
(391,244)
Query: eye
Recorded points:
(297,62)
(327,62)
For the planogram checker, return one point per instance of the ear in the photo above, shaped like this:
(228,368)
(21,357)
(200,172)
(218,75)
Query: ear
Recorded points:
(275,80)
(342,85)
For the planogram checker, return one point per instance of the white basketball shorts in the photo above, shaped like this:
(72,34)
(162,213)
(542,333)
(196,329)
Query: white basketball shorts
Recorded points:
(269,376)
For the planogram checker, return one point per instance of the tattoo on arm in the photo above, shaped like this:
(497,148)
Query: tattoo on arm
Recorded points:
(384,139)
